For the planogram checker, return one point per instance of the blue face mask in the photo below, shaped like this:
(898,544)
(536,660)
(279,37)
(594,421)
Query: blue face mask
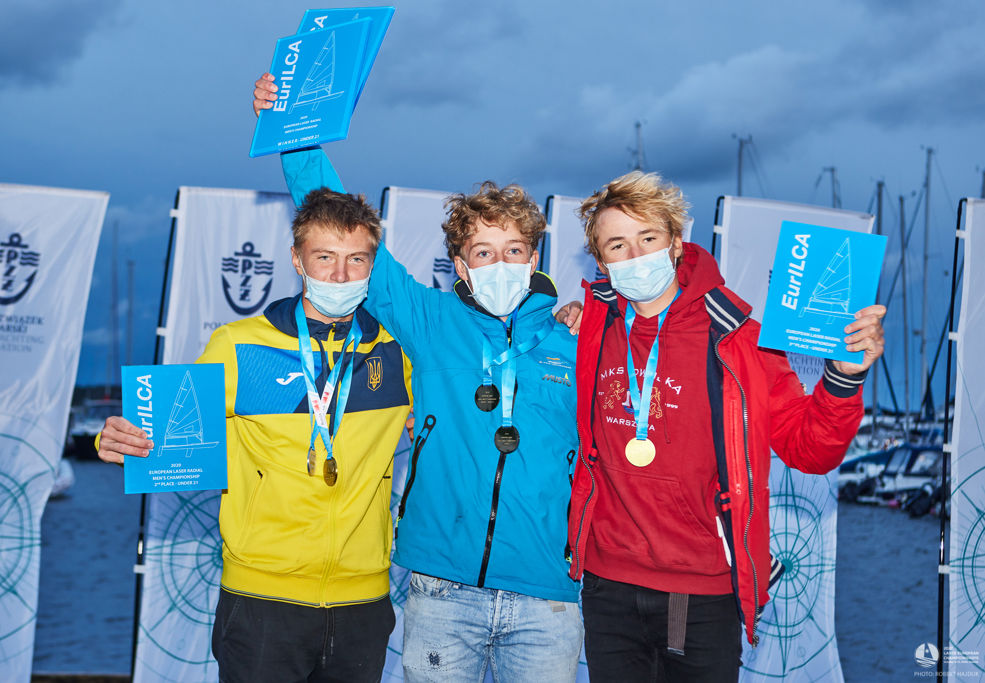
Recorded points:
(499,287)
(643,279)
(335,299)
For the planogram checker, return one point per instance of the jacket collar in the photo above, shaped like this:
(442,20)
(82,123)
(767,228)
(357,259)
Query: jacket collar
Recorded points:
(698,272)
(726,316)
(280,313)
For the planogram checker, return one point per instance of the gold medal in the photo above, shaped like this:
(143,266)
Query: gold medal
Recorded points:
(311,461)
(330,472)
(640,452)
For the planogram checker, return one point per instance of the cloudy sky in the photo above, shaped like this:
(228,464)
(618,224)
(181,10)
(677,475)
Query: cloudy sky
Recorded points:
(139,98)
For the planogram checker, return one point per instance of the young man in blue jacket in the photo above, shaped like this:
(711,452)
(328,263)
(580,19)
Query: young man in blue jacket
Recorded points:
(482,523)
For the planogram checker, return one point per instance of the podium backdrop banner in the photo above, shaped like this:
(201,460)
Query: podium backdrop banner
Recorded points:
(565,258)
(412,232)
(230,259)
(48,241)
(797,630)
(964,656)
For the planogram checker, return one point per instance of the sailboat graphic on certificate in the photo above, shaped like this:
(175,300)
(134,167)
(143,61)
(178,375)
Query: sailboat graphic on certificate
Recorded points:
(318,84)
(184,431)
(832,294)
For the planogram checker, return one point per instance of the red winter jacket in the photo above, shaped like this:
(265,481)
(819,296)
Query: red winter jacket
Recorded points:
(757,404)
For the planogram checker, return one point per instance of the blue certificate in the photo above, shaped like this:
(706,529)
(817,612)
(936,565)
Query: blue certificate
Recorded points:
(820,278)
(318,75)
(182,409)
(316,19)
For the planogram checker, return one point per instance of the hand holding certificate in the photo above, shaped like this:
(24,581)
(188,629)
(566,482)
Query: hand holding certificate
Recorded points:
(821,278)
(320,73)
(181,408)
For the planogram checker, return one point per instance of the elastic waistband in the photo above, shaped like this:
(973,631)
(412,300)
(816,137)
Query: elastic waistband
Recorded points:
(301,590)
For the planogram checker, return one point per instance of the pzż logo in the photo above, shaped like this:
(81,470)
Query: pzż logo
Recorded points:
(252,278)
(20,267)
(442,274)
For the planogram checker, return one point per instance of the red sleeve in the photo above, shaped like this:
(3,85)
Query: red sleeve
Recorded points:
(811,432)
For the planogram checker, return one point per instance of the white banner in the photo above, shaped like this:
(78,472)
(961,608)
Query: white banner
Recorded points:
(797,630)
(412,231)
(567,262)
(565,257)
(966,579)
(230,259)
(48,241)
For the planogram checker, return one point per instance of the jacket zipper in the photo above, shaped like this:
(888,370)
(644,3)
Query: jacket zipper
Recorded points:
(497,482)
(490,530)
(752,503)
(422,437)
(581,456)
(581,520)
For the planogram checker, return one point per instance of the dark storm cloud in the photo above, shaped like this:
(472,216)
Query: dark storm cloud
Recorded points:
(906,74)
(439,56)
(38,39)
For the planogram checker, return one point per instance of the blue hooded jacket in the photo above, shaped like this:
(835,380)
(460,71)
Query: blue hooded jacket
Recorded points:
(471,514)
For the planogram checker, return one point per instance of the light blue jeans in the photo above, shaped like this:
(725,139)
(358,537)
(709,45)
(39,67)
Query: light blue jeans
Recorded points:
(453,632)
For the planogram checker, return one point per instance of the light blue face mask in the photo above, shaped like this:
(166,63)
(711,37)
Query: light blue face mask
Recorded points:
(335,299)
(500,287)
(643,279)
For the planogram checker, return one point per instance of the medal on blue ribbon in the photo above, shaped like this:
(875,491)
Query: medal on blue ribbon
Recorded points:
(318,405)
(507,437)
(640,451)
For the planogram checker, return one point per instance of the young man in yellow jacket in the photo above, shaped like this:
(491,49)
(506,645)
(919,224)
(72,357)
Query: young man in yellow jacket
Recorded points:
(311,427)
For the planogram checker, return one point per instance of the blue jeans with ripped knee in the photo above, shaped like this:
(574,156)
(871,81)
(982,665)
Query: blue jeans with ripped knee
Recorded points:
(454,632)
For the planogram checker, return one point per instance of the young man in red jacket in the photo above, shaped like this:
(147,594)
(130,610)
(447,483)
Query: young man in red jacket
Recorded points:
(669,519)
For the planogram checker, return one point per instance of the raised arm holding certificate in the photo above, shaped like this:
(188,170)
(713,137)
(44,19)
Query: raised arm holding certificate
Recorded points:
(320,73)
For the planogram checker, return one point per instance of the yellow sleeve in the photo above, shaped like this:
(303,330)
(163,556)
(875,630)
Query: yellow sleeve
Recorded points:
(221,349)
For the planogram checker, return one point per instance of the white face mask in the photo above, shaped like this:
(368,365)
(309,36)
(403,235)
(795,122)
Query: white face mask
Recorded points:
(643,279)
(499,287)
(334,299)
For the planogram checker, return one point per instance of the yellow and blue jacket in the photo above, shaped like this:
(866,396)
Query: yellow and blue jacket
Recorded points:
(286,534)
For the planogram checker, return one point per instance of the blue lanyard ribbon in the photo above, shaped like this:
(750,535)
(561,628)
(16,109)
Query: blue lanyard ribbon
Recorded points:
(641,410)
(508,360)
(318,405)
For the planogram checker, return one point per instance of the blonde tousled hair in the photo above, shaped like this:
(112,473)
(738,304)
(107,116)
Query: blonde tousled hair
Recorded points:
(644,196)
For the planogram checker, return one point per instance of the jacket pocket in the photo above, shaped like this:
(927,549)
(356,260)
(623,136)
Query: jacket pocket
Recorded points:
(250,511)
(657,528)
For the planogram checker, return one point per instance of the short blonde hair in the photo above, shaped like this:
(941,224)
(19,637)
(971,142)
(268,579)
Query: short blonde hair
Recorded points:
(496,206)
(644,196)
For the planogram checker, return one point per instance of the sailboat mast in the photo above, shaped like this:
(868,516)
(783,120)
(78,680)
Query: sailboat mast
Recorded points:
(112,354)
(130,307)
(926,259)
(880,187)
(639,158)
(906,326)
(742,145)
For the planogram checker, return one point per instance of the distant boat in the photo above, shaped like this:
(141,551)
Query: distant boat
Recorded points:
(832,294)
(317,86)
(184,429)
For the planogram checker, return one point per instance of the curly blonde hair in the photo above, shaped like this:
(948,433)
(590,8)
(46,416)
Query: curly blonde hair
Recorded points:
(644,196)
(500,206)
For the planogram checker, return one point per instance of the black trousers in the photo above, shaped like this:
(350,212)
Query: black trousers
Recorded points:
(626,632)
(266,641)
